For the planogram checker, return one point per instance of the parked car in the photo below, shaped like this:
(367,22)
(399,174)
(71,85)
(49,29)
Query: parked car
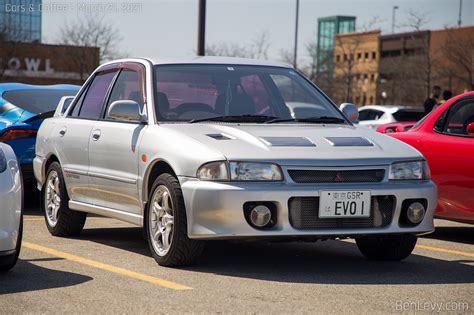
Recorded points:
(446,138)
(395,127)
(207,149)
(11,209)
(376,115)
(23,108)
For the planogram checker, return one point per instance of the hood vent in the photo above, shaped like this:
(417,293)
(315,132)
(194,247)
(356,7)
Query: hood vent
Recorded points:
(349,142)
(220,136)
(288,142)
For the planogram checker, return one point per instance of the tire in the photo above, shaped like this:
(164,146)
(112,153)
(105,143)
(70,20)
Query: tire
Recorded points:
(387,247)
(67,222)
(182,251)
(9,261)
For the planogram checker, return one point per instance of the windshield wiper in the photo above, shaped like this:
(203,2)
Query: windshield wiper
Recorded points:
(236,118)
(318,120)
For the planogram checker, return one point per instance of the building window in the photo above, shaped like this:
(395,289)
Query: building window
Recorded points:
(371,99)
(345,57)
(359,56)
(366,56)
(338,58)
(372,77)
(374,55)
(366,76)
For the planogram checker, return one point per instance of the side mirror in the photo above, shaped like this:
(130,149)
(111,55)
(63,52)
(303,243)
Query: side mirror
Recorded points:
(470,129)
(126,110)
(63,105)
(350,110)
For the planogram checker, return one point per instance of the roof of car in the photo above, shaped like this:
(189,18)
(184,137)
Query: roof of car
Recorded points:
(218,60)
(391,108)
(21,86)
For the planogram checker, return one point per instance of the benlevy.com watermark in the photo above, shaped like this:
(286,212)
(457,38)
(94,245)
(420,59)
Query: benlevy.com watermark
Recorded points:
(415,306)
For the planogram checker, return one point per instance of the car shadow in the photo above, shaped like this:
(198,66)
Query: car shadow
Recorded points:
(329,262)
(459,234)
(26,277)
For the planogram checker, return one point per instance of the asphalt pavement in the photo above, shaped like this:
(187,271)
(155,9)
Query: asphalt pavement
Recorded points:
(108,269)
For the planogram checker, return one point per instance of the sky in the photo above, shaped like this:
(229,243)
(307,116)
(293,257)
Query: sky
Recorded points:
(168,28)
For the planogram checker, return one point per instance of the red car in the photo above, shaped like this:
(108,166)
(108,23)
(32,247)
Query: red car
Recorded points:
(446,138)
(396,127)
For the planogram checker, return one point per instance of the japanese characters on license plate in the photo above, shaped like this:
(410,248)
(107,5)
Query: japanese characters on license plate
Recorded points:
(344,204)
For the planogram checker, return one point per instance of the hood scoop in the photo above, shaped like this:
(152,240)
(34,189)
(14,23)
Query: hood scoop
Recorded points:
(288,141)
(349,142)
(220,136)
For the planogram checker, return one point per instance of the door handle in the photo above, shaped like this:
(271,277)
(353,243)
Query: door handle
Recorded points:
(62,132)
(96,135)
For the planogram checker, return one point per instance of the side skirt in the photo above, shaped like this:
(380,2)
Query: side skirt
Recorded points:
(107,212)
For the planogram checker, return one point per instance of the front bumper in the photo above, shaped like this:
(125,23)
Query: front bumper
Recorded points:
(215,209)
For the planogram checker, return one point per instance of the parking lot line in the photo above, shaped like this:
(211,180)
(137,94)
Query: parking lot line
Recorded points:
(442,250)
(99,265)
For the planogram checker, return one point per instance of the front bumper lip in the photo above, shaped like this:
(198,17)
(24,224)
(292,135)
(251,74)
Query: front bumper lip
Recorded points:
(215,209)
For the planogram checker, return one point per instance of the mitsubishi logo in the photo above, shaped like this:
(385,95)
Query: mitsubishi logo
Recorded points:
(339,177)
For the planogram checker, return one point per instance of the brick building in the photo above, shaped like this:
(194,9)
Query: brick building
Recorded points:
(46,64)
(356,60)
(402,68)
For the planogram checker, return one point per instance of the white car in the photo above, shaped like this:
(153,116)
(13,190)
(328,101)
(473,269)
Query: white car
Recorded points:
(208,148)
(11,211)
(375,115)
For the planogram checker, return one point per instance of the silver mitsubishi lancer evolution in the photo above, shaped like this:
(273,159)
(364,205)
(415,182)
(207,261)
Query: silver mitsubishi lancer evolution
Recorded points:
(225,148)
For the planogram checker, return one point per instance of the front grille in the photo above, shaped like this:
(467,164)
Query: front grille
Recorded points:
(332,176)
(304,211)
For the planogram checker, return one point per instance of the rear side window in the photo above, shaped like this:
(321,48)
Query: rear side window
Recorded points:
(370,114)
(37,101)
(92,101)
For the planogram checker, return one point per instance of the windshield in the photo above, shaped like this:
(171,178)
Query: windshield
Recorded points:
(198,92)
(37,101)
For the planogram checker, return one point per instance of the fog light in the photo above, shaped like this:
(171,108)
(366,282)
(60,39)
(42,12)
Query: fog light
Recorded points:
(415,212)
(260,216)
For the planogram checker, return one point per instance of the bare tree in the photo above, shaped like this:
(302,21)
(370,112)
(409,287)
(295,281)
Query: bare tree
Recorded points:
(257,48)
(460,58)
(90,31)
(416,21)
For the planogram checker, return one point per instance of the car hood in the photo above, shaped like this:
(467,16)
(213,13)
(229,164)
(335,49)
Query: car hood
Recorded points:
(301,144)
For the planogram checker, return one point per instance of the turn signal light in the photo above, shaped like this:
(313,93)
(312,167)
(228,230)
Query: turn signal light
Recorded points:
(15,134)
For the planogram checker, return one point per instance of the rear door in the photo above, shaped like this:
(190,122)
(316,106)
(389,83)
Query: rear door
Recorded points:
(113,147)
(72,135)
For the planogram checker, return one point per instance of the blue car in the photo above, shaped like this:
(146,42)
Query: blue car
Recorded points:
(23,108)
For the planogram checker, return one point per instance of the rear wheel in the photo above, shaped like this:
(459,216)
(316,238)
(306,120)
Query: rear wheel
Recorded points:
(9,261)
(60,220)
(166,225)
(387,247)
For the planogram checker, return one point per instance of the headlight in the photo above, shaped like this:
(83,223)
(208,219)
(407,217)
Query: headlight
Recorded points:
(240,171)
(409,171)
(3,162)
(251,171)
(213,171)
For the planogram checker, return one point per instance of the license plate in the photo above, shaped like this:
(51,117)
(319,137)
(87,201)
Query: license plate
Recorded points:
(344,204)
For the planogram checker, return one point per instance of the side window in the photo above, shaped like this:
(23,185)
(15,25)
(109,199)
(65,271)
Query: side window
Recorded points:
(378,114)
(460,115)
(439,124)
(93,99)
(365,114)
(127,87)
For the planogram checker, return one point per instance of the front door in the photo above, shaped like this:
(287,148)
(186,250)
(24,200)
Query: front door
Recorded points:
(113,148)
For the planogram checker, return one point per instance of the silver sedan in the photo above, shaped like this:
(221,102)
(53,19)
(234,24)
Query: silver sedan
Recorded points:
(210,148)
(11,206)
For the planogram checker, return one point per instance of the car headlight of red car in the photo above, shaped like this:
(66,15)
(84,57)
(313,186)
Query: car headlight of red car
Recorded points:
(412,170)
